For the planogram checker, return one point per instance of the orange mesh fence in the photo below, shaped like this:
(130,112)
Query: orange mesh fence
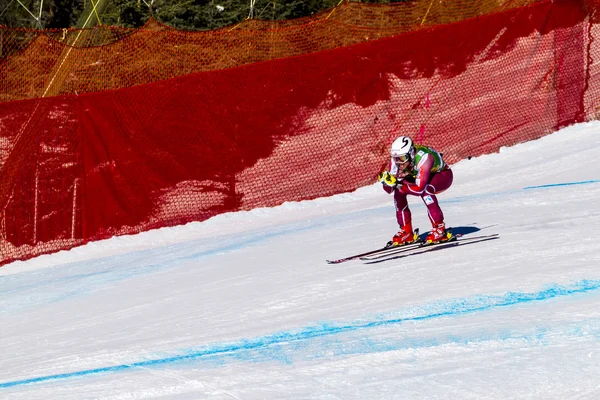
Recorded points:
(77,61)
(114,131)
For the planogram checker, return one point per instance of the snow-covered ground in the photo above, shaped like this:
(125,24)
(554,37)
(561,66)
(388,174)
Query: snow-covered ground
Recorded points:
(243,306)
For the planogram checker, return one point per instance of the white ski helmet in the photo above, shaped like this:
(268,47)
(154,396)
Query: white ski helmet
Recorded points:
(403,149)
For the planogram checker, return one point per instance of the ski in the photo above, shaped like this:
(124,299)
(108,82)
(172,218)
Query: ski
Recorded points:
(393,251)
(457,237)
(390,250)
(427,247)
(401,249)
(385,249)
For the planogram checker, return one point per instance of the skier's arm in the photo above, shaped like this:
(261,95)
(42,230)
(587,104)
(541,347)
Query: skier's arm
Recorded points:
(388,189)
(422,178)
(393,170)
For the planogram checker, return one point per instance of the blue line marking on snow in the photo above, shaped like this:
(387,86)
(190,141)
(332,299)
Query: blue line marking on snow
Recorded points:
(460,199)
(265,344)
(561,184)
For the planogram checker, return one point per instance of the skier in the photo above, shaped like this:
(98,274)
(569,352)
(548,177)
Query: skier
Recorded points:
(418,171)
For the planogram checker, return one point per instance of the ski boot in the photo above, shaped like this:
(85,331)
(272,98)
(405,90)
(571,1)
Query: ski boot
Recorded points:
(438,234)
(404,236)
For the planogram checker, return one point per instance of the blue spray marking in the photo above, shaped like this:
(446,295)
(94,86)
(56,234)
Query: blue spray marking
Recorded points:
(461,199)
(561,184)
(299,338)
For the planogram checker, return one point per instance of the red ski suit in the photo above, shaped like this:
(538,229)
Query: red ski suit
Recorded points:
(420,181)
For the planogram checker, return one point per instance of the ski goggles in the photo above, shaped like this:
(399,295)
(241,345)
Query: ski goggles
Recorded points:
(402,158)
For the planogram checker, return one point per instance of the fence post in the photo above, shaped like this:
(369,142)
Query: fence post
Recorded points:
(74,208)
(35,210)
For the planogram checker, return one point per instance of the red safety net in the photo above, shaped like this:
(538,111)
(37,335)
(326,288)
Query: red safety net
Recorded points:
(115,131)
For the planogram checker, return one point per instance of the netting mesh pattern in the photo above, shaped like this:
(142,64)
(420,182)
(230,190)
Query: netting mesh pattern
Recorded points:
(115,131)
(55,62)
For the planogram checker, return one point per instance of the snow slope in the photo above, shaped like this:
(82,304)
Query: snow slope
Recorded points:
(243,306)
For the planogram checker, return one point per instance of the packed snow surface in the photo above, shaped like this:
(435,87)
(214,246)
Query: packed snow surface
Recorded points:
(244,306)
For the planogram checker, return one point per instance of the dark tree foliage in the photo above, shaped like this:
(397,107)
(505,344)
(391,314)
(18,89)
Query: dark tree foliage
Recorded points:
(63,13)
(54,13)
(181,14)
